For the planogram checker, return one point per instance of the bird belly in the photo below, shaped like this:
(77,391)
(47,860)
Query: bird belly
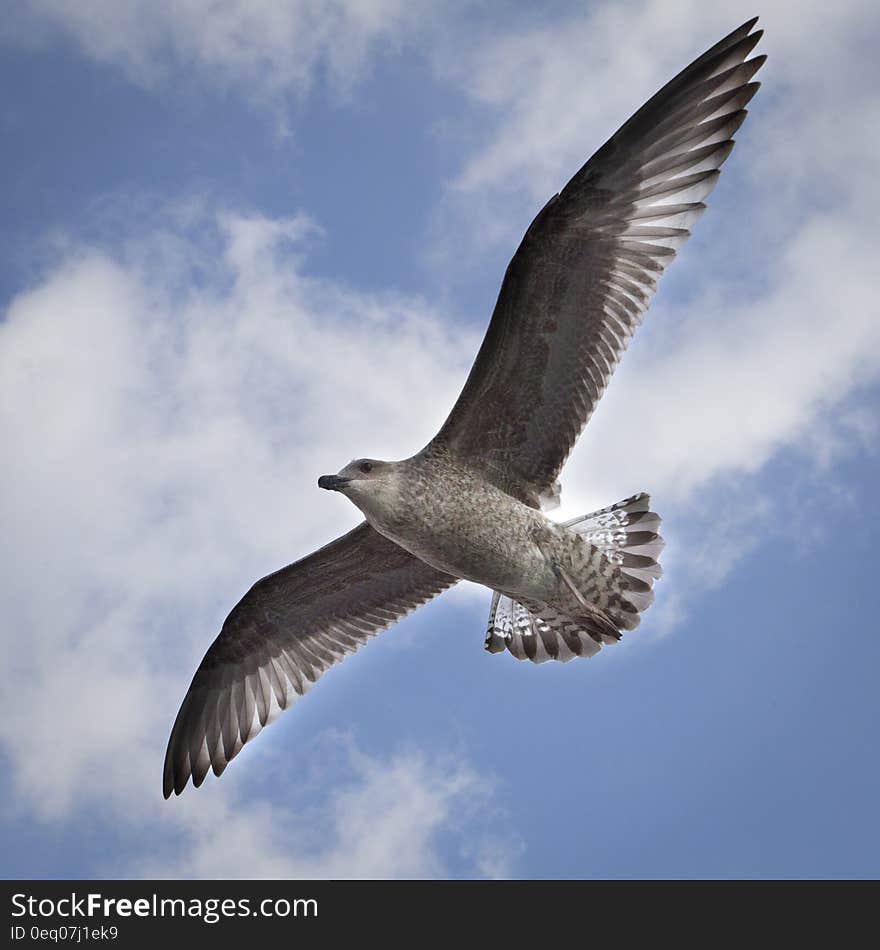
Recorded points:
(493,545)
(518,570)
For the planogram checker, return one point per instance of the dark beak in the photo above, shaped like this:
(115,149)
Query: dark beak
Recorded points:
(332,482)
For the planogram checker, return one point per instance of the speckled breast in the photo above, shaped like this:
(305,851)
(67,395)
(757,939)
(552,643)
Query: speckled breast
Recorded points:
(459,523)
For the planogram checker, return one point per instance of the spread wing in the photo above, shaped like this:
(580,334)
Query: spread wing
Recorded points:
(286,631)
(586,270)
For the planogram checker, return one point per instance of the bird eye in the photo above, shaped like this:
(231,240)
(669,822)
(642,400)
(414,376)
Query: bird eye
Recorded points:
(366,467)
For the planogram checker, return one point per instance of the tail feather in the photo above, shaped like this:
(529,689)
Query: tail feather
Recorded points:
(627,535)
(530,636)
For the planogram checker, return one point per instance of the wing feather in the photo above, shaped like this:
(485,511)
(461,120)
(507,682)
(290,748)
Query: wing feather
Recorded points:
(583,277)
(288,630)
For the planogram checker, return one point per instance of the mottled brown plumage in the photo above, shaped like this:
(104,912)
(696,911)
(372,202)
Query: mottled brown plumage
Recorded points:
(469,504)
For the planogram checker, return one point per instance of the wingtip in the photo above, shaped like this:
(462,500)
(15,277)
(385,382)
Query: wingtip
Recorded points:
(174,780)
(173,786)
(737,35)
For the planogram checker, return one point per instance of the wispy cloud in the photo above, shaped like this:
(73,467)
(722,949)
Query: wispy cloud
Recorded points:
(766,330)
(267,50)
(374,818)
(764,337)
(165,435)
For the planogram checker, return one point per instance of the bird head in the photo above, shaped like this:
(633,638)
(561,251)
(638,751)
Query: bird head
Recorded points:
(371,484)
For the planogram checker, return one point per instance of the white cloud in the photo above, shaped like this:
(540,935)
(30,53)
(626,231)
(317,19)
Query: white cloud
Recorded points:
(769,321)
(378,818)
(739,379)
(564,85)
(166,436)
(765,336)
(264,48)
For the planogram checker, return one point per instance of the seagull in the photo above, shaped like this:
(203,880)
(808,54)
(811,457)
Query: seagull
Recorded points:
(471,504)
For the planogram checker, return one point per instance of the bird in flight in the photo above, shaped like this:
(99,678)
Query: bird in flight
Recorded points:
(471,503)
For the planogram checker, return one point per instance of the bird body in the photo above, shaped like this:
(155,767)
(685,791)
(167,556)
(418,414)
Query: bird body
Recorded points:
(469,505)
(453,519)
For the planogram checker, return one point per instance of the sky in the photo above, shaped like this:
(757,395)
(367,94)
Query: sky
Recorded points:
(244,242)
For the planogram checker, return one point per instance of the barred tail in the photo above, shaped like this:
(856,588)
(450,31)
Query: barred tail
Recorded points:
(627,535)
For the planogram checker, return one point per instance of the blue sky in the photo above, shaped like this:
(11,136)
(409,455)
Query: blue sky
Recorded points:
(240,250)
